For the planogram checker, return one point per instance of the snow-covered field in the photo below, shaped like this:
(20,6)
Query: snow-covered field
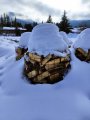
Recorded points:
(19,100)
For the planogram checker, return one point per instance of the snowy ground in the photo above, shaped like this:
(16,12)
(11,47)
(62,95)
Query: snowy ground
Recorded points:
(66,100)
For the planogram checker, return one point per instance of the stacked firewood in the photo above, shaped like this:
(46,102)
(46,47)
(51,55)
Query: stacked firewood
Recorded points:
(82,54)
(20,52)
(49,69)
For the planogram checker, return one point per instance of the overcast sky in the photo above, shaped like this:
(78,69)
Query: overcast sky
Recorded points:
(40,9)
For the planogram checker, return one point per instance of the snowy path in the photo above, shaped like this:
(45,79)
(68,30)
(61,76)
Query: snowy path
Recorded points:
(7,50)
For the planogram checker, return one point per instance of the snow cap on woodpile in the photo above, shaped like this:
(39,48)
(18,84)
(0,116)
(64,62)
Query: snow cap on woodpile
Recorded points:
(45,38)
(23,43)
(65,37)
(83,40)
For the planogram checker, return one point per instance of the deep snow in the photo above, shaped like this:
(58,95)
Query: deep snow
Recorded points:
(83,40)
(66,100)
(24,39)
(65,38)
(45,39)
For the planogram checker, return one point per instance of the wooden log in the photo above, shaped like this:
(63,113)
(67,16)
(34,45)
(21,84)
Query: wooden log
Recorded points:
(29,65)
(80,50)
(32,74)
(58,69)
(64,59)
(67,64)
(19,51)
(42,76)
(53,63)
(54,76)
(46,59)
(35,81)
(88,56)
(18,57)
(40,71)
(81,54)
(35,57)
(54,56)
(32,61)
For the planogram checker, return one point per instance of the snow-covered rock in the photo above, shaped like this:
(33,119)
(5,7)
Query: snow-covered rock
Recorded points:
(24,39)
(46,38)
(65,38)
(83,40)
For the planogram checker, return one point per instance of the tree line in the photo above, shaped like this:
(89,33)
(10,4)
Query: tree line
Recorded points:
(6,21)
(63,25)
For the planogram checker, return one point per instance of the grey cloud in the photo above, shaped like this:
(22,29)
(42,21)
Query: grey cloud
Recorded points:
(44,9)
(36,5)
(85,1)
(81,16)
(14,14)
(86,15)
(18,6)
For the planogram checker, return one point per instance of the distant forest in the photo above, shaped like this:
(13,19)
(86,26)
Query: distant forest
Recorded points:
(64,25)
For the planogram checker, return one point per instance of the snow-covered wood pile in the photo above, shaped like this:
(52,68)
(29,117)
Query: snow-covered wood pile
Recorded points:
(23,45)
(47,59)
(82,46)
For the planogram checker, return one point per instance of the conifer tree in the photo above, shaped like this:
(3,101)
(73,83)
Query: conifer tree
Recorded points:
(29,27)
(49,20)
(1,21)
(64,25)
(17,31)
(8,23)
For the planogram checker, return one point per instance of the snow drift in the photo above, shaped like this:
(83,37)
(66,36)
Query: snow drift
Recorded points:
(65,38)
(83,40)
(23,43)
(45,37)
